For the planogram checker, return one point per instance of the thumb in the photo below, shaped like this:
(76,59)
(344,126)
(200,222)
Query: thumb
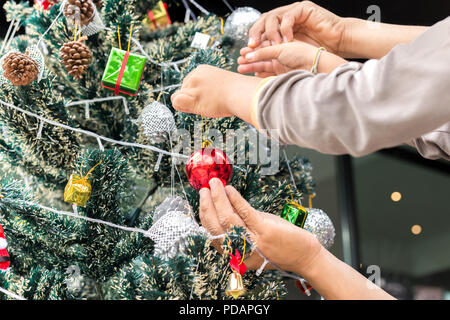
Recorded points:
(183,102)
(248,214)
(263,54)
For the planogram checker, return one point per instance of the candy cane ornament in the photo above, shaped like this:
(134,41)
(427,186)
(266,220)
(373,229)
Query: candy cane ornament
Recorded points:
(4,255)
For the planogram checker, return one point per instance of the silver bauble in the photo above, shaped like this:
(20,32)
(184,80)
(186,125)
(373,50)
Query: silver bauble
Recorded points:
(239,23)
(319,224)
(172,204)
(172,225)
(156,118)
(170,233)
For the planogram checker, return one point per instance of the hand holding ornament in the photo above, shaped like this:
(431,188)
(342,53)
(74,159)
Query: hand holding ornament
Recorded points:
(291,248)
(223,207)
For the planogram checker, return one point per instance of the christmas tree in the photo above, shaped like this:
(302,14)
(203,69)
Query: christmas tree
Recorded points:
(134,233)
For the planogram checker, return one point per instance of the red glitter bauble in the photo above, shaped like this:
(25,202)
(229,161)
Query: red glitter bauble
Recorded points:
(208,163)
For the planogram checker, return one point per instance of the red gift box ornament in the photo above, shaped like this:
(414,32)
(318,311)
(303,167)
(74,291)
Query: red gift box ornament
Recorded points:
(208,163)
(4,255)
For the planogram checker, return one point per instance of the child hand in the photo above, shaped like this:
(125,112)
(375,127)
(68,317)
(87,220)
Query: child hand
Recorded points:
(303,21)
(292,248)
(278,59)
(214,92)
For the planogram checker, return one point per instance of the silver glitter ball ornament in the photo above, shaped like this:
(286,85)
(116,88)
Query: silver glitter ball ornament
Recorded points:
(172,204)
(239,23)
(156,118)
(170,234)
(319,224)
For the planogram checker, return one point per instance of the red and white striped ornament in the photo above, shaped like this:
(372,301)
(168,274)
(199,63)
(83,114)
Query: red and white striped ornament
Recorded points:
(4,255)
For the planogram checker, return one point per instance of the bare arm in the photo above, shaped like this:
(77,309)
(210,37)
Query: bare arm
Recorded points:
(348,37)
(292,248)
(335,280)
(372,40)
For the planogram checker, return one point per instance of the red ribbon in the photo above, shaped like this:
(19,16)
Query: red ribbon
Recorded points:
(300,287)
(235,263)
(152,16)
(121,72)
(167,13)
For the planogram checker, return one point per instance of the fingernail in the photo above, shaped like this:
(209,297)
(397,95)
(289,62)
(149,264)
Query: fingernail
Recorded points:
(251,42)
(214,182)
(202,192)
(285,39)
(250,56)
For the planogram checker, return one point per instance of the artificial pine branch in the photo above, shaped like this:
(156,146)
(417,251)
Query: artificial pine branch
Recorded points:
(118,264)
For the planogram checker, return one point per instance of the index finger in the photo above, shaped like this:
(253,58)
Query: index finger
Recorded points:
(255,32)
(209,219)
(225,212)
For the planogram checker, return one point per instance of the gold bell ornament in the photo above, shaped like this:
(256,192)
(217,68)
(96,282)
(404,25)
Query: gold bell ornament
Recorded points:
(78,189)
(235,287)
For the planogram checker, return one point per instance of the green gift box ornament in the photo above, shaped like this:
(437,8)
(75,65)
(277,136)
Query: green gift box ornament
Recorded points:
(123,72)
(294,213)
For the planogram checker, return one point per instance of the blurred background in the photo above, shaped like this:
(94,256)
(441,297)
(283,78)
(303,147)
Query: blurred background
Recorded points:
(390,209)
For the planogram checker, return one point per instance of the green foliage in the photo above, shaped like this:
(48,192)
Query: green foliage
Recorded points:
(15,10)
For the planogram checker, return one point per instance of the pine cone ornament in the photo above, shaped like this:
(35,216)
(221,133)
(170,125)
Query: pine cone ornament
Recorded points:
(20,68)
(75,57)
(79,11)
(98,3)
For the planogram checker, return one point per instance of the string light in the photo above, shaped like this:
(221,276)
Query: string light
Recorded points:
(396,196)
(416,229)
(93,134)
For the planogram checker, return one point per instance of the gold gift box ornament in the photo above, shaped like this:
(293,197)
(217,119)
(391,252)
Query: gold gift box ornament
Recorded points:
(158,17)
(78,189)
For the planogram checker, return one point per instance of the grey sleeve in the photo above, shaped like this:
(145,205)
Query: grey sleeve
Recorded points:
(361,108)
(435,144)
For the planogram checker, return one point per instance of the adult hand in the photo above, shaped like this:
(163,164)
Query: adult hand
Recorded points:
(282,58)
(303,21)
(292,248)
(214,92)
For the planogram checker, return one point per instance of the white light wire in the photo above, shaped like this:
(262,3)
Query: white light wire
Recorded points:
(92,134)
(199,7)
(7,35)
(12,295)
(147,234)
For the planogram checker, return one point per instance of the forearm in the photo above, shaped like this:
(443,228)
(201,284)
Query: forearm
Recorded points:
(359,109)
(329,62)
(372,40)
(335,280)
(240,103)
